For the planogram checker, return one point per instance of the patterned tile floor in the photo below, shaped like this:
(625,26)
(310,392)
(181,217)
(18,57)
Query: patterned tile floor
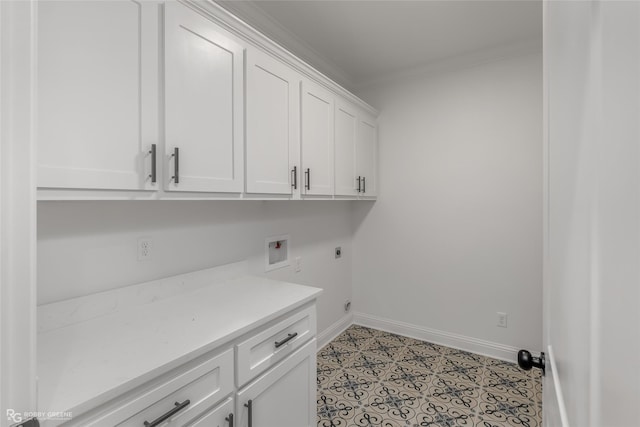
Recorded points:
(372,378)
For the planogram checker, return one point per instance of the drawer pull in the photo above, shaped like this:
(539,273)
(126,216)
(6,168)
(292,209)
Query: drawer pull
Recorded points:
(286,340)
(230,420)
(249,406)
(179,407)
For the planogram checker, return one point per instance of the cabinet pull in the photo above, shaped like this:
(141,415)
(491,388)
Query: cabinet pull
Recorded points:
(364,184)
(295,178)
(286,340)
(176,165)
(359,183)
(153,163)
(249,406)
(308,179)
(230,420)
(179,407)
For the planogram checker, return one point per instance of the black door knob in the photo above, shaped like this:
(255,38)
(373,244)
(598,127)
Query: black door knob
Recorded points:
(526,361)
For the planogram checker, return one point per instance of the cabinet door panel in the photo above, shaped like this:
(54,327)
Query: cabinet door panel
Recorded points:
(367,156)
(272,124)
(218,417)
(203,78)
(97,93)
(317,140)
(285,396)
(346,123)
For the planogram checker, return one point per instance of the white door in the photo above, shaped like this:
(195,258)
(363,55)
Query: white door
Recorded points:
(346,123)
(18,209)
(366,155)
(273,109)
(317,140)
(221,416)
(592,213)
(285,396)
(97,74)
(203,104)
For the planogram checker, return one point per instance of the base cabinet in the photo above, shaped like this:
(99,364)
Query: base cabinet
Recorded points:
(221,416)
(283,397)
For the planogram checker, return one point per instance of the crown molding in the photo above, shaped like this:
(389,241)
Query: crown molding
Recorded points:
(253,14)
(458,62)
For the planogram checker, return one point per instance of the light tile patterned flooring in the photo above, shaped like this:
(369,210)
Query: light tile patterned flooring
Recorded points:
(372,378)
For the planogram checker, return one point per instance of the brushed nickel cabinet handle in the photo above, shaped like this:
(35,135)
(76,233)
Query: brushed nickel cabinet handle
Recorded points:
(249,406)
(179,407)
(286,340)
(294,184)
(153,175)
(176,165)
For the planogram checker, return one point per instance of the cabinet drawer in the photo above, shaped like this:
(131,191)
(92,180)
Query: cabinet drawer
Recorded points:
(202,386)
(264,349)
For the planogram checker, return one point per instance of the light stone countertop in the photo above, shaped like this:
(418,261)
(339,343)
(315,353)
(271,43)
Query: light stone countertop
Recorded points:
(85,364)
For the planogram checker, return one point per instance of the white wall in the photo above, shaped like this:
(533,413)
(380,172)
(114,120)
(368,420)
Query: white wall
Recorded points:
(87,247)
(456,234)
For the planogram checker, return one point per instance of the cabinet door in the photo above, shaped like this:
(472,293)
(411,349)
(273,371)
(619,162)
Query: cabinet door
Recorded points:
(273,107)
(221,416)
(317,140)
(346,123)
(203,104)
(367,156)
(285,396)
(97,94)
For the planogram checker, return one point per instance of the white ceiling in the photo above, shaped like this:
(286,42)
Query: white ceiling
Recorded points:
(356,42)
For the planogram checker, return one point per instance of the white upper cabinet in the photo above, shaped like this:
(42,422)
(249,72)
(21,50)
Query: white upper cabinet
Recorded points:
(346,127)
(97,79)
(317,138)
(272,125)
(203,104)
(367,156)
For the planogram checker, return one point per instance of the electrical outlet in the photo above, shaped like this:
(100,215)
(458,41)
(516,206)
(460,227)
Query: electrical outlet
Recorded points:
(145,245)
(297,267)
(502,319)
(338,252)
(347,306)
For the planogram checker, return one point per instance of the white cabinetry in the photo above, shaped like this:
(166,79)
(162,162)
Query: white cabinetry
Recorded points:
(203,104)
(317,140)
(367,156)
(272,125)
(221,416)
(97,97)
(346,124)
(151,96)
(285,396)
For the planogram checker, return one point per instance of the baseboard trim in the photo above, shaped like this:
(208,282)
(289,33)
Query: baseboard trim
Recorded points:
(473,345)
(326,336)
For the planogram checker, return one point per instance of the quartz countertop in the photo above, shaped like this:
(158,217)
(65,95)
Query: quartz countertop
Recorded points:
(85,364)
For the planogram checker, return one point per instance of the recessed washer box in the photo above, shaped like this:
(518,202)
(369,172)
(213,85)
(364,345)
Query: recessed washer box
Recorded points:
(276,252)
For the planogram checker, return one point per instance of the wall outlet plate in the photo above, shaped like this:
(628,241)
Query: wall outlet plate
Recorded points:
(502,319)
(145,245)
